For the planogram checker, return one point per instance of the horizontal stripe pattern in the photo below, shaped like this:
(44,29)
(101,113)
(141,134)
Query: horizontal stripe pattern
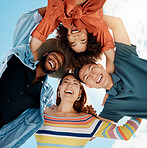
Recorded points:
(75,132)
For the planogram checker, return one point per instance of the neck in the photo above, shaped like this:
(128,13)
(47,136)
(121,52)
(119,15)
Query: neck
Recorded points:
(39,72)
(110,84)
(66,107)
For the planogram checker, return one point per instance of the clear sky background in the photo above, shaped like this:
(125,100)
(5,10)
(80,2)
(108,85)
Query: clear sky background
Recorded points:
(134,15)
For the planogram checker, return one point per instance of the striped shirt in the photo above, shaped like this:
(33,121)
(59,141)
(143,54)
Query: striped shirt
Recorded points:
(75,132)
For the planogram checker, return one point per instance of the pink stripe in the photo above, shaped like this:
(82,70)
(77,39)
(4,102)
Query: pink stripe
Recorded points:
(133,124)
(111,133)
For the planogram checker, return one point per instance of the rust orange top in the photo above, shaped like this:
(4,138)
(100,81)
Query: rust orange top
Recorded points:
(89,16)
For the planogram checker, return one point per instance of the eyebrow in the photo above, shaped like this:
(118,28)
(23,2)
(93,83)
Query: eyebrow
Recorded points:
(75,80)
(66,79)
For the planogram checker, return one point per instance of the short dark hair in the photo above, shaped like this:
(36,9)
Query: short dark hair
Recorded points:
(92,53)
(76,73)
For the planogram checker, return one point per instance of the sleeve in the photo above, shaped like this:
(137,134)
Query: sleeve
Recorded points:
(110,111)
(49,22)
(125,51)
(124,132)
(47,93)
(103,34)
(24,26)
(105,38)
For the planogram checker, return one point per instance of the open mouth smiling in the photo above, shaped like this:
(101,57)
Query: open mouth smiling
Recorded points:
(52,63)
(69,92)
(99,79)
(74,30)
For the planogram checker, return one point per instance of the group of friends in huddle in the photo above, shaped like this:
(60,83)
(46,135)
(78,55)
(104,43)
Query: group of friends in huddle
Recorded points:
(82,37)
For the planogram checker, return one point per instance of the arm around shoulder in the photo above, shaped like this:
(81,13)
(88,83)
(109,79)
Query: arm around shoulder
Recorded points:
(123,132)
(119,32)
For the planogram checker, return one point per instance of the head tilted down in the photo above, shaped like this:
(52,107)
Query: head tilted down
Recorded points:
(81,46)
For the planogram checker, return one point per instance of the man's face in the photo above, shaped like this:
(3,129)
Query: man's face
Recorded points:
(94,76)
(77,39)
(52,61)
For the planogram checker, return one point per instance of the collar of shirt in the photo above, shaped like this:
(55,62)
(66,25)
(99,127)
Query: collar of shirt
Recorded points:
(115,80)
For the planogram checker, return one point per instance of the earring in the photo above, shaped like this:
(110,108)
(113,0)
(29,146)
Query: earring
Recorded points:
(78,98)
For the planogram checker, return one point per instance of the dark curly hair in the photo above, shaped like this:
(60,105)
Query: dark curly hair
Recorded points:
(92,53)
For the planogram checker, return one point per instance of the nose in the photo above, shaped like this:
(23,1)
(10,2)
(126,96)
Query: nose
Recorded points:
(92,74)
(70,85)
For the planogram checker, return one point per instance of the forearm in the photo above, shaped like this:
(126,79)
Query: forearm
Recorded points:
(110,55)
(42,11)
(119,32)
(124,132)
(34,45)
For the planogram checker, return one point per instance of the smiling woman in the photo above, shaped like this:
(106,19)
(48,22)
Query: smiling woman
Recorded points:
(80,19)
(77,39)
(67,126)
(136,28)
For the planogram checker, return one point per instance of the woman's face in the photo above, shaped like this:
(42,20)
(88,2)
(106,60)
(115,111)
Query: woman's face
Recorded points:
(70,88)
(77,39)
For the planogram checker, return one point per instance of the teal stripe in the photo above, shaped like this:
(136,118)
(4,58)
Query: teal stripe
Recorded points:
(59,145)
(103,133)
(136,120)
(129,129)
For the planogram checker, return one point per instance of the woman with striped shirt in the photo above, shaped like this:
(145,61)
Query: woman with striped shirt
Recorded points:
(67,126)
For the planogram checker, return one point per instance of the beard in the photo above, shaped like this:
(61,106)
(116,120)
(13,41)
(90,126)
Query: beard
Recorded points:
(43,67)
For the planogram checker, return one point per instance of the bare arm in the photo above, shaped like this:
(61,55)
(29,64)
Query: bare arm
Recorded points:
(36,43)
(110,55)
(119,32)
(104,119)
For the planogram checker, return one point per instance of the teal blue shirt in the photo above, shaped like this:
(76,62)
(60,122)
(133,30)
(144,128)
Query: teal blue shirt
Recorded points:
(128,96)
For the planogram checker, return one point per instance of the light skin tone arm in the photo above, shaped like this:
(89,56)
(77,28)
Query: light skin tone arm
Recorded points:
(119,32)
(35,43)
(110,54)
(120,35)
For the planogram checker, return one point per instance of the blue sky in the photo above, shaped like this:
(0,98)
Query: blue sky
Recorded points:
(134,18)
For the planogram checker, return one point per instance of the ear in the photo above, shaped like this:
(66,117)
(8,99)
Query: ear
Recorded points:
(88,86)
(100,65)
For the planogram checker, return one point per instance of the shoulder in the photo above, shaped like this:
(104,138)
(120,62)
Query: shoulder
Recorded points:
(49,111)
(106,120)
(82,114)
(125,50)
